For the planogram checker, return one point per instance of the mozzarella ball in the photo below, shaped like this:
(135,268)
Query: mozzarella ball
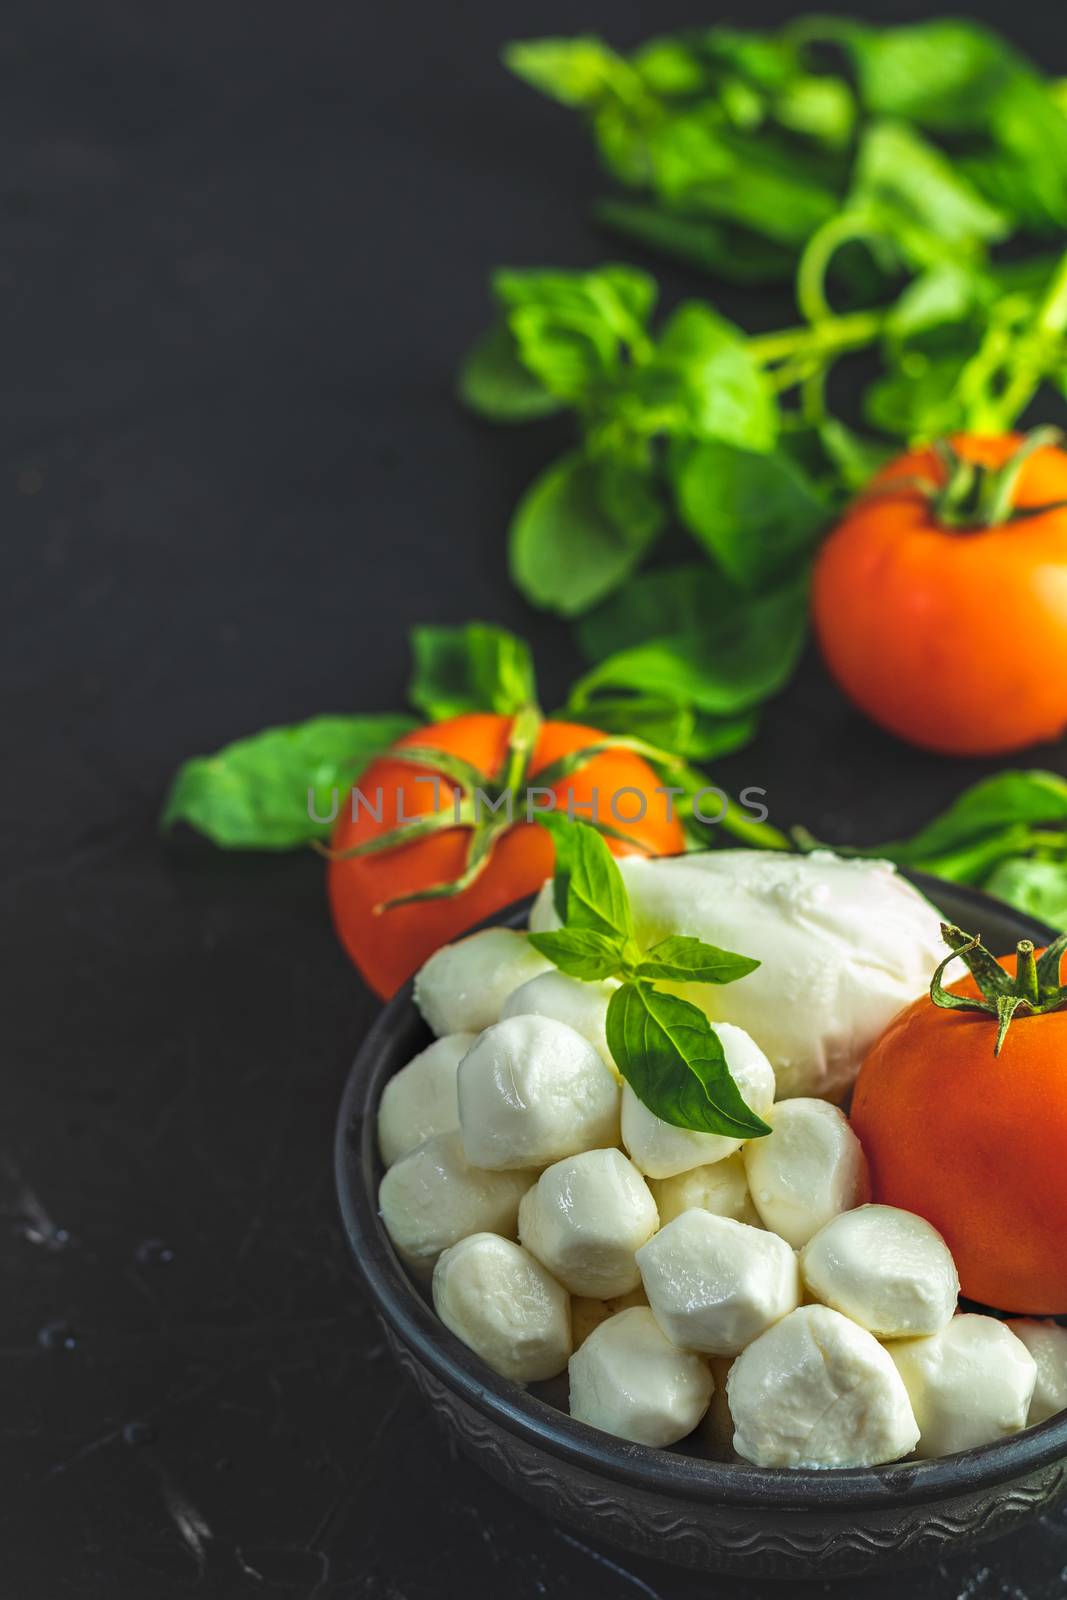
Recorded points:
(715,1284)
(531,1091)
(969,1384)
(1047,1343)
(584,1218)
(421,1100)
(844,946)
(463,985)
(587,1314)
(808,1169)
(888,1270)
(721,1188)
(817,1390)
(432,1198)
(629,1380)
(494,1296)
(583,1006)
(661,1150)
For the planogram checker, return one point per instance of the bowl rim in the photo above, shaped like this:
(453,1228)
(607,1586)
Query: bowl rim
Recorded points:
(528,1417)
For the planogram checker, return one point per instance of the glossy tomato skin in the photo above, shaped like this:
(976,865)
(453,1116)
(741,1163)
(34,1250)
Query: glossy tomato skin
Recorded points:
(388,946)
(954,640)
(976,1144)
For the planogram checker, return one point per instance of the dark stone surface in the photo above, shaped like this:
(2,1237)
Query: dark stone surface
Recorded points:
(242,249)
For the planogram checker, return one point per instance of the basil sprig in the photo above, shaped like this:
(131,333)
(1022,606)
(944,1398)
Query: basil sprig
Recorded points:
(665,1047)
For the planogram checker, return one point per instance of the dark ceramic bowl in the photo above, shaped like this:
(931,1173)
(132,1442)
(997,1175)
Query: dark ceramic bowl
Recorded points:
(666,1504)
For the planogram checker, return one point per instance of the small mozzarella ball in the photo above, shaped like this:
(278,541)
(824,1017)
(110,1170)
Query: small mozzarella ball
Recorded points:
(494,1296)
(888,1270)
(1047,1343)
(432,1198)
(661,1150)
(721,1188)
(463,985)
(583,1006)
(817,1390)
(543,917)
(969,1384)
(809,1168)
(585,1217)
(587,1314)
(629,1380)
(715,1284)
(532,1091)
(421,1100)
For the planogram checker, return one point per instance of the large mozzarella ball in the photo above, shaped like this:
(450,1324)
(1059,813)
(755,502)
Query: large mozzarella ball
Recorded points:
(661,1150)
(421,1100)
(630,1380)
(888,1270)
(817,1390)
(844,946)
(463,985)
(531,1091)
(583,1006)
(588,1313)
(715,1284)
(809,1168)
(584,1218)
(494,1296)
(1047,1343)
(721,1188)
(433,1197)
(969,1384)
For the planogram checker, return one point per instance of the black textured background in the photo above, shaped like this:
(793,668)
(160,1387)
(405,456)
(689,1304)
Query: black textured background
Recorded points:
(241,249)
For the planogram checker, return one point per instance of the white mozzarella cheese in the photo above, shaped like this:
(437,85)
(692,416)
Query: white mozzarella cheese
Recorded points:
(714,1285)
(531,1091)
(462,987)
(887,1269)
(721,1188)
(817,1390)
(421,1100)
(969,1384)
(585,1217)
(432,1197)
(583,1006)
(630,1380)
(807,1170)
(1047,1343)
(494,1296)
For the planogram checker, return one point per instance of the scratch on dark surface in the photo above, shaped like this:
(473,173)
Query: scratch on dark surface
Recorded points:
(85,1450)
(190,1523)
(30,1215)
(612,1566)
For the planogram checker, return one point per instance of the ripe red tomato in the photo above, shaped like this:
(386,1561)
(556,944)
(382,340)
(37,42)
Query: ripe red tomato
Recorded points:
(975,1143)
(952,633)
(388,945)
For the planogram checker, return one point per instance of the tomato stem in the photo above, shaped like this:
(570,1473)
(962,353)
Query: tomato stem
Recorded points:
(1035,987)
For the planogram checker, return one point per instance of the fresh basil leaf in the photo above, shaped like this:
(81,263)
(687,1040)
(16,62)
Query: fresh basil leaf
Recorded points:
(581,952)
(576,72)
(673,1060)
(705,383)
(494,382)
(676,599)
(254,794)
(476,667)
(724,668)
(822,108)
(758,515)
(573,330)
(940,74)
(588,890)
(684,959)
(1008,800)
(899,171)
(580,530)
(946,292)
(668,724)
(733,253)
(1030,127)
(1039,888)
